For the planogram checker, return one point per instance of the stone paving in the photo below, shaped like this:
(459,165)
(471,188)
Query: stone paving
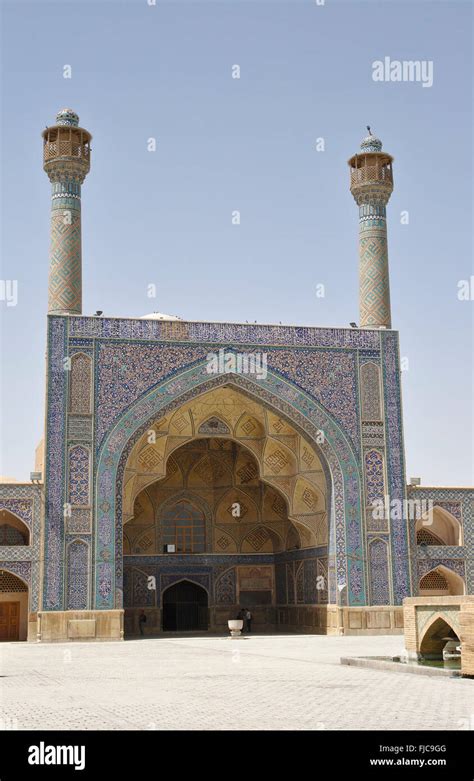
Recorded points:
(265,682)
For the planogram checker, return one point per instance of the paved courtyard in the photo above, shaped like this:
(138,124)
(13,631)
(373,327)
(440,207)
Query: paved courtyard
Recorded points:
(265,682)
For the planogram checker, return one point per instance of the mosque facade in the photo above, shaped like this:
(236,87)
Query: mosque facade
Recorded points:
(190,469)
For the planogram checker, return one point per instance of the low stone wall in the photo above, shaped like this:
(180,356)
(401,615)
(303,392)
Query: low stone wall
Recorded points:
(467,637)
(334,620)
(77,625)
(85,625)
(423,614)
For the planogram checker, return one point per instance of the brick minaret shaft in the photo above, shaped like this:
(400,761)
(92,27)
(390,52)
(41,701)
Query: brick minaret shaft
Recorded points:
(66,160)
(371,186)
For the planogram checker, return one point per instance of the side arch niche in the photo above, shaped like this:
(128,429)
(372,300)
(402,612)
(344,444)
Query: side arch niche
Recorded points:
(441,581)
(438,527)
(13,531)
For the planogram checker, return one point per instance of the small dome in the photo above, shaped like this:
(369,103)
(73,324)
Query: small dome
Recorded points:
(371,144)
(67,117)
(159,316)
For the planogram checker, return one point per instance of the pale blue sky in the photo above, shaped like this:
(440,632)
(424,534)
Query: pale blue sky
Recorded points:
(248,144)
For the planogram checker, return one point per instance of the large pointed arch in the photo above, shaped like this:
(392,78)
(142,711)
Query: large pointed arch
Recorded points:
(307,415)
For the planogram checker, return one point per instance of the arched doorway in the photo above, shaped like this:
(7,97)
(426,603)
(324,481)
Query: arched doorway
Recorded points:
(185,607)
(13,607)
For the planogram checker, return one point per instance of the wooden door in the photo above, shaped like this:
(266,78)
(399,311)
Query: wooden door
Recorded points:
(9,621)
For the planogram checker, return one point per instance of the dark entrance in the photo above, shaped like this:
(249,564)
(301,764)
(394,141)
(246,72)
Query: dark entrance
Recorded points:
(185,607)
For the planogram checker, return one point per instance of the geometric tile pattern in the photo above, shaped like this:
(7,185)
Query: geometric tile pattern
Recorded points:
(225,588)
(136,591)
(126,370)
(451,507)
(374,477)
(374,292)
(150,457)
(79,522)
(370,391)
(379,578)
(258,538)
(373,434)
(395,466)
(65,285)
(23,508)
(163,331)
(426,565)
(80,384)
(277,461)
(79,470)
(375,520)
(77,575)
(55,485)
(80,428)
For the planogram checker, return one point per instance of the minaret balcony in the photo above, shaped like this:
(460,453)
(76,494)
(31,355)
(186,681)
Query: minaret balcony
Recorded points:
(371,174)
(67,143)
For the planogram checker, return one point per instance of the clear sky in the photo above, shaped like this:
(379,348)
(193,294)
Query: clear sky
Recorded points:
(248,144)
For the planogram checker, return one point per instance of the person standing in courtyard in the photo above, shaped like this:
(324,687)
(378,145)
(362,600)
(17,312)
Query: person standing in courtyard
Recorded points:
(142,622)
(248,620)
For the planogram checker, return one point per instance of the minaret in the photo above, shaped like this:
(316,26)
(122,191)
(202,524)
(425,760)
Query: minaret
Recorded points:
(371,186)
(66,160)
